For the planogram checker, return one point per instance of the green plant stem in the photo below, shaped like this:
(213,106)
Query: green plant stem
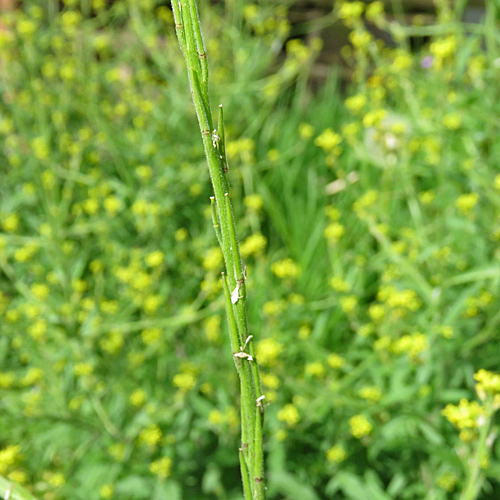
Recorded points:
(251,453)
(12,491)
(475,479)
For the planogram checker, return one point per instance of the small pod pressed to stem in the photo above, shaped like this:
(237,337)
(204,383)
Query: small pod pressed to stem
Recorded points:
(251,455)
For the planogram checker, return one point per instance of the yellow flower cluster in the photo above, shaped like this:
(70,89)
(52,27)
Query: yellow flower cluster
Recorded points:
(253,202)
(447,481)
(340,285)
(333,232)
(360,426)
(336,454)
(443,49)
(413,345)
(466,203)
(467,416)
(315,369)
(184,381)
(150,436)
(255,245)
(336,361)
(242,149)
(286,268)
(106,491)
(9,457)
(329,141)
(364,202)
(161,467)
(371,394)
(268,351)
(488,383)
(290,415)
(138,398)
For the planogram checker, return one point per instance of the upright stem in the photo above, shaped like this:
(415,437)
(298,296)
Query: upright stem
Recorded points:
(474,480)
(251,454)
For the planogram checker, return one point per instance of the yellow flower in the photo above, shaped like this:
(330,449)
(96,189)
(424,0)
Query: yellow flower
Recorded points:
(333,232)
(38,329)
(371,394)
(83,369)
(151,435)
(452,121)
(446,332)
(289,414)
(497,182)
(138,397)
(286,268)
(9,456)
(304,332)
(351,10)
(360,38)
(10,223)
(33,376)
(161,467)
(413,344)
(18,476)
(253,202)
(255,244)
(339,285)
(152,303)
(466,415)
(336,361)
(268,350)
(306,131)
(375,11)
(213,328)
(315,369)
(376,312)
(141,281)
(328,140)
(144,172)
(427,197)
(109,306)
(349,303)
(181,234)
(355,103)
(112,205)
(213,259)
(487,382)
(79,286)
(360,426)
(113,342)
(270,380)
(40,148)
(447,481)
(106,491)
(7,380)
(151,335)
(55,479)
(216,417)
(466,203)
(40,291)
(336,454)
(184,381)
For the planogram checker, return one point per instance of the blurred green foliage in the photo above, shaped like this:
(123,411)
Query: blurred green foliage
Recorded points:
(369,225)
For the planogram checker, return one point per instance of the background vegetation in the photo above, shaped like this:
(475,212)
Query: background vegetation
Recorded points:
(369,224)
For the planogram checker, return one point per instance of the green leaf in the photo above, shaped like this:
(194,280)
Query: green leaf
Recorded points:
(135,487)
(350,484)
(169,490)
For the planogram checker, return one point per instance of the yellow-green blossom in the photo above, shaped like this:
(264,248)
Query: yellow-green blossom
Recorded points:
(360,426)
(336,454)
(290,415)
